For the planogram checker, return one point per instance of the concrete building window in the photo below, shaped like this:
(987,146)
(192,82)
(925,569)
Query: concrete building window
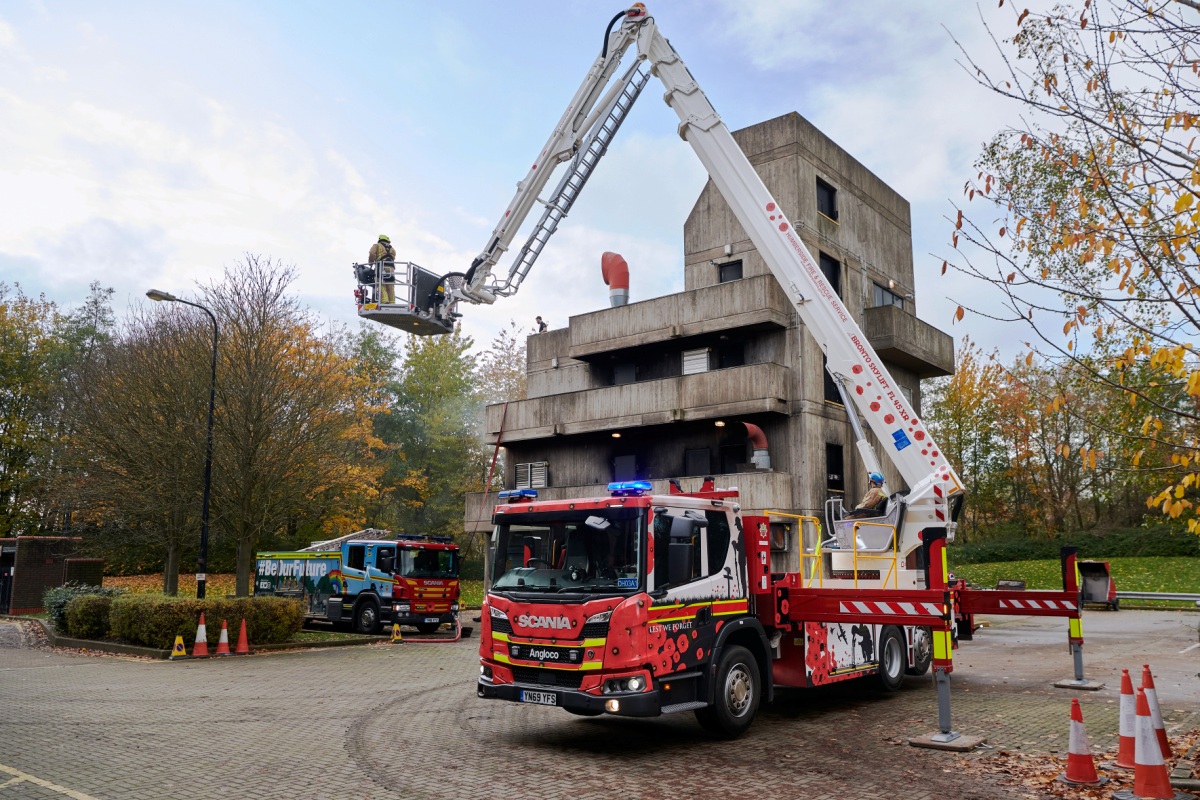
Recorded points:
(907,392)
(882,296)
(827,199)
(625,468)
(835,475)
(624,372)
(697,461)
(532,475)
(832,395)
(731,354)
(729,271)
(831,268)
(695,361)
(732,455)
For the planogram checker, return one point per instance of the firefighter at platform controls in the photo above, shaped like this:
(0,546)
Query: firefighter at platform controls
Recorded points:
(384,255)
(875,495)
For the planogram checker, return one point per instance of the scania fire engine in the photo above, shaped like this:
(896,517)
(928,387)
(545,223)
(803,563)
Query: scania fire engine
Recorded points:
(640,603)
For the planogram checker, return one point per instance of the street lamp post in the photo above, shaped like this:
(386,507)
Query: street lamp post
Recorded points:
(202,562)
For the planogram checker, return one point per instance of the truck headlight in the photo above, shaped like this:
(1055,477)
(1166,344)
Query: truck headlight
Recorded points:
(454,606)
(603,616)
(636,683)
(495,612)
(402,608)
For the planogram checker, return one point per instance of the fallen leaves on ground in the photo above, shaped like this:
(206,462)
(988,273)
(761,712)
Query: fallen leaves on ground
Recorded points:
(1026,772)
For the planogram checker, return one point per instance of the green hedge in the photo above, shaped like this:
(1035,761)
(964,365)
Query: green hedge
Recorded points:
(1144,542)
(87,616)
(56,601)
(154,620)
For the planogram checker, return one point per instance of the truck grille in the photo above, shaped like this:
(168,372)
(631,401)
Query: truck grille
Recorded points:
(595,630)
(548,677)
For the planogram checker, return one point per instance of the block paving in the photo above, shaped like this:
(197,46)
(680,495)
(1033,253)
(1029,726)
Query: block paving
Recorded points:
(383,721)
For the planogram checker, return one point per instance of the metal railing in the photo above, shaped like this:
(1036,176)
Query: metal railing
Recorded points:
(1181,596)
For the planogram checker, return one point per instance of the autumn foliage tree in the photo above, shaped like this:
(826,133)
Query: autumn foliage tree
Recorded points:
(1088,229)
(292,412)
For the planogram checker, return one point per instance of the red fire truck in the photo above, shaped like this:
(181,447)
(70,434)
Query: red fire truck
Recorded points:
(639,603)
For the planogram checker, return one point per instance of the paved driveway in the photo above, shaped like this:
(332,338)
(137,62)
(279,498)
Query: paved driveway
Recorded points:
(403,721)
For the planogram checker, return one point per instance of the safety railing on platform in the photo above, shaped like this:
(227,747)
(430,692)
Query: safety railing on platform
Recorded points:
(809,546)
(877,553)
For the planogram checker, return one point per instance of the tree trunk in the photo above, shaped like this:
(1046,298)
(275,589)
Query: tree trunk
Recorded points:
(245,560)
(171,568)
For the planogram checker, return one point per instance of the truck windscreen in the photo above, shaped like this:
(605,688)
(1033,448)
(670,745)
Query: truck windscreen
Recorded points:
(427,563)
(596,552)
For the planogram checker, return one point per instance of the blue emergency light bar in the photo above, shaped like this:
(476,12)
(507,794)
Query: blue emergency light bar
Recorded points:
(629,488)
(518,495)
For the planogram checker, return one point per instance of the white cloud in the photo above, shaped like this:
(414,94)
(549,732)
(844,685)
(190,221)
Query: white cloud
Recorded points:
(8,38)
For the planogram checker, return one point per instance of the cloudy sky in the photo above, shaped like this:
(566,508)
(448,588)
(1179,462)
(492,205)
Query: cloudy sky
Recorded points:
(150,144)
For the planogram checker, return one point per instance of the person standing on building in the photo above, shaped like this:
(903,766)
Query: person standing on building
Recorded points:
(384,256)
(539,325)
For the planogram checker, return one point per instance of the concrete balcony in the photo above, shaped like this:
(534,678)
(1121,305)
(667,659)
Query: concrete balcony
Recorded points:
(902,339)
(758,492)
(736,391)
(752,302)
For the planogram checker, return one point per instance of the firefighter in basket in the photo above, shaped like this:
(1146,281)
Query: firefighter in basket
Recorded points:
(382,256)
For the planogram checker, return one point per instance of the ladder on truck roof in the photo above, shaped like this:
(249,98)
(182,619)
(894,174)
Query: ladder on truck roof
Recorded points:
(334,544)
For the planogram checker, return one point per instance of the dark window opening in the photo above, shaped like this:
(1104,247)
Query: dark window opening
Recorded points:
(831,268)
(697,461)
(624,372)
(625,468)
(835,478)
(826,199)
(731,456)
(731,354)
(832,395)
(729,271)
(882,296)
(356,558)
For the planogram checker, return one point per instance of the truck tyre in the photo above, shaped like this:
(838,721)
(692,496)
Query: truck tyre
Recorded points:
(428,627)
(891,658)
(738,693)
(366,617)
(922,639)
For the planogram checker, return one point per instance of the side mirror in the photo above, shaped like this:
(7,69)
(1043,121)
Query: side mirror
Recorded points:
(679,563)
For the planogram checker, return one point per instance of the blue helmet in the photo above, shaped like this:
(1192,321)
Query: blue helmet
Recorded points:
(875,478)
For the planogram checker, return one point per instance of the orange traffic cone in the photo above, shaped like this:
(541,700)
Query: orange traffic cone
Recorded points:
(200,650)
(1150,778)
(1160,730)
(223,642)
(1128,725)
(1081,767)
(243,645)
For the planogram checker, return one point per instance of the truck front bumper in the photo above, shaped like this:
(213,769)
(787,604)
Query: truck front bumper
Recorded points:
(419,618)
(632,704)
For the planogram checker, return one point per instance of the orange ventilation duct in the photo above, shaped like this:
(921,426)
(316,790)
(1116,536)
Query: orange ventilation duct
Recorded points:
(616,275)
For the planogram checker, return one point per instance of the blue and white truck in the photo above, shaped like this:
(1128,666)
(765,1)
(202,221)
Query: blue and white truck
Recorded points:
(369,578)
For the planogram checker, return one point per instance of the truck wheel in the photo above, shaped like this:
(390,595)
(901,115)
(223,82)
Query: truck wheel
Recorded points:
(428,627)
(922,639)
(891,658)
(366,618)
(737,695)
